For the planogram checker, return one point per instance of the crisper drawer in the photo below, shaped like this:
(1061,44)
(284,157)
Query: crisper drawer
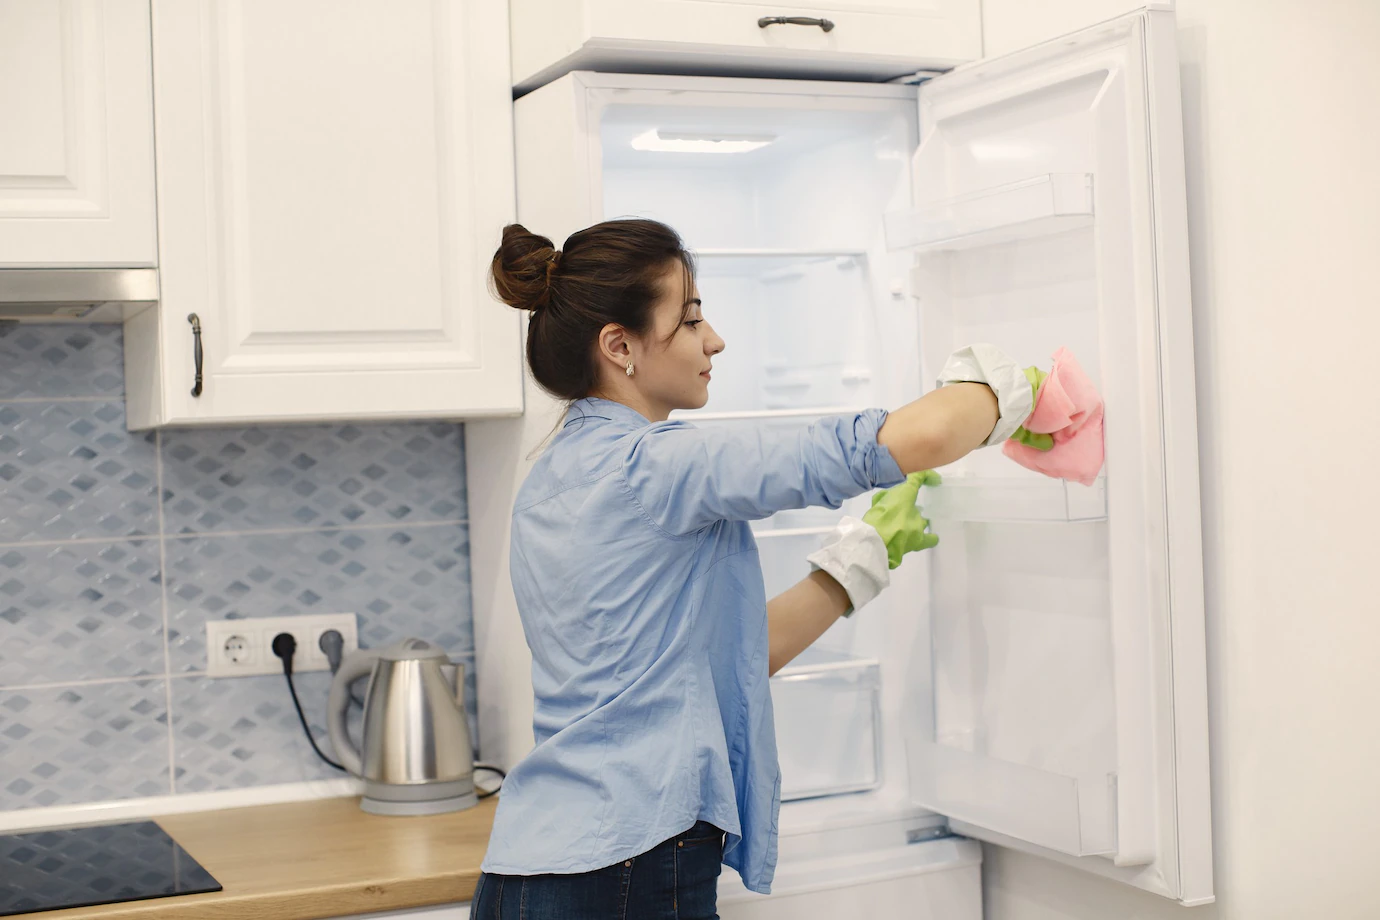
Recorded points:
(828,734)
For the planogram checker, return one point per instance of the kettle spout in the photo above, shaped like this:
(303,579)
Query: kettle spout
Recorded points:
(454,673)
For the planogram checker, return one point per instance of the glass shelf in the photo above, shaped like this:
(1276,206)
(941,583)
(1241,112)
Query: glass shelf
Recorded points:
(746,253)
(1039,206)
(697,416)
(986,500)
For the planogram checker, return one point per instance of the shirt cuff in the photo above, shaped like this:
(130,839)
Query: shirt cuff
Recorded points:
(878,465)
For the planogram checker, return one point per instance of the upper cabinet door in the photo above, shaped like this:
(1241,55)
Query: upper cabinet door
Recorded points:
(76,134)
(841,39)
(1066,676)
(332,181)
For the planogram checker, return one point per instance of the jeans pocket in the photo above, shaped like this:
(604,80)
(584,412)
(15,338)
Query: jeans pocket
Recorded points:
(698,864)
(702,834)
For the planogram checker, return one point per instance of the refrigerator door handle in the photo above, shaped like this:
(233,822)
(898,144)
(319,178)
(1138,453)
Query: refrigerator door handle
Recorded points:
(826,24)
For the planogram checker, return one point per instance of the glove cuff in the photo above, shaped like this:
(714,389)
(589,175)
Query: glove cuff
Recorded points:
(988,364)
(856,558)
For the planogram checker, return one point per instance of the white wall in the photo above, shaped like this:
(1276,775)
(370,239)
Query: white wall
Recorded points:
(1282,126)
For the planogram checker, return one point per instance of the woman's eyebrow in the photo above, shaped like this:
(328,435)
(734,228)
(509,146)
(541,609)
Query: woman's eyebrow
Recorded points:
(694,301)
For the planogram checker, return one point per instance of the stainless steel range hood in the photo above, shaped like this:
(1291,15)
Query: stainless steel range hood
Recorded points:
(86,294)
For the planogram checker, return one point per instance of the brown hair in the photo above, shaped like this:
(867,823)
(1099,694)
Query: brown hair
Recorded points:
(609,273)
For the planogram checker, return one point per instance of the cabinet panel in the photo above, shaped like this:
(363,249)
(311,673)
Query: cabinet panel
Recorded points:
(329,202)
(863,40)
(76,134)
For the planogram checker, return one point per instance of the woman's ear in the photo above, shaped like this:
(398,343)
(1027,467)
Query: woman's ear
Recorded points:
(615,346)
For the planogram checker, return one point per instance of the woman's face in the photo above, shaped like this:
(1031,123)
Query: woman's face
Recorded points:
(675,357)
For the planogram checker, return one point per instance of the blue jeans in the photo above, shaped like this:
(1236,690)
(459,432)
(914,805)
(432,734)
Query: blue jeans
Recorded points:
(676,880)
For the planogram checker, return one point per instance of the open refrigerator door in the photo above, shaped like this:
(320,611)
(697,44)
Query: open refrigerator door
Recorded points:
(1057,701)
(1038,679)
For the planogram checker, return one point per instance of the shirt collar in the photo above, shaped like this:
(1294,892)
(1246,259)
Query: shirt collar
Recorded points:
(593,407)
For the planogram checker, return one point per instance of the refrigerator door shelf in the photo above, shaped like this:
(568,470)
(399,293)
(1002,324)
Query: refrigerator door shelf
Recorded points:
(1038,206)
(1013,500)
(1068,814)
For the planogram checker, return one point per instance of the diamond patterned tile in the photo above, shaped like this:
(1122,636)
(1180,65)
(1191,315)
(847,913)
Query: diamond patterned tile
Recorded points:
(233,732)
(314,476)
(399,583)
(56,360)
(64,745)
(80,611)
(70,470)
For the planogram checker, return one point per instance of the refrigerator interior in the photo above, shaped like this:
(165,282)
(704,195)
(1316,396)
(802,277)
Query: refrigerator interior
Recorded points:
(795,275)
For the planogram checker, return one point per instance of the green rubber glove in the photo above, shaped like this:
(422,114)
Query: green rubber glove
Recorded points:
(1030,438)
(897,519)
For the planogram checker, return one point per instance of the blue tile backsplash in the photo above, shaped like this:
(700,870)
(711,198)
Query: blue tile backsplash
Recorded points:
(117,547)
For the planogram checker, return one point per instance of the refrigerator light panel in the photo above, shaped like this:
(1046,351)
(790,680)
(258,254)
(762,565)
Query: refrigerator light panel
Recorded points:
(680,142)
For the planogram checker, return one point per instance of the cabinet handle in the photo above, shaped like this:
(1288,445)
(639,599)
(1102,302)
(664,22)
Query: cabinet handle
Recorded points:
(196,350)
(825,24)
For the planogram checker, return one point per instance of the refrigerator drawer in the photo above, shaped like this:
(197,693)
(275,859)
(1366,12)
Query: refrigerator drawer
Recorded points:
(828,729)
(938,880)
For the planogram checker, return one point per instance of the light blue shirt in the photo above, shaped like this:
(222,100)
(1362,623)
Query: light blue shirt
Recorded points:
(640,592)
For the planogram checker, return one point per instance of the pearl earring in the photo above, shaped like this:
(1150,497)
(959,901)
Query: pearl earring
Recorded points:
(630,368)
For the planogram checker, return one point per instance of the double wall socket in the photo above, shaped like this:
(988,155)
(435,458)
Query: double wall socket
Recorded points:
(243,648)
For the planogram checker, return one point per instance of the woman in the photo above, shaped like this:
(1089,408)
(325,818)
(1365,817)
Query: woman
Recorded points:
(640,591)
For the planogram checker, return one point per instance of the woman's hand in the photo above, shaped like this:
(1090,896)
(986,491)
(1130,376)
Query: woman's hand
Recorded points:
(850,569)
(983,398)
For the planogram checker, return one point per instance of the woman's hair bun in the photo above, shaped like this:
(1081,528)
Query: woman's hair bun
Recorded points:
(522,268)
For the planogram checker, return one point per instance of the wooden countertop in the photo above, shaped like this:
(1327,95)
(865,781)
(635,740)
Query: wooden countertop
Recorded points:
(306,860)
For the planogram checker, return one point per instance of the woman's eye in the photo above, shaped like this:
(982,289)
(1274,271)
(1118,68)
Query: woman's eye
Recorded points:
(692,323)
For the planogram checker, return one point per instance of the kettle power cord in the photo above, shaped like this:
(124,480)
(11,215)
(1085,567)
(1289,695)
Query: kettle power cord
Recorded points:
(285,647)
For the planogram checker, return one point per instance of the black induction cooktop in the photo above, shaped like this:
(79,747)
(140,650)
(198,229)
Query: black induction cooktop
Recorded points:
(84,866)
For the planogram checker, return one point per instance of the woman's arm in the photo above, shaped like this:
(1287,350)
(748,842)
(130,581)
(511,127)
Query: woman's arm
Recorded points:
(799,615)
(686,478)
(939,427)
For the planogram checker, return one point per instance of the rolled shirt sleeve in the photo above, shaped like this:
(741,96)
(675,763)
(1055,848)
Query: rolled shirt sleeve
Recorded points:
(687,478)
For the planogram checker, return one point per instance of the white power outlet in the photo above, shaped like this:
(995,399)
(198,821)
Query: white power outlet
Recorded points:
(243,648)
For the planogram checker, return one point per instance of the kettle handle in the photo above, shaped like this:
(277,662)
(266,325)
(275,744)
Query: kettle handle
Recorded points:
(356,665)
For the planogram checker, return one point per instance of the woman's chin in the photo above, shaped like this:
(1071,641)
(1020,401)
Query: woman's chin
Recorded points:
(696,400)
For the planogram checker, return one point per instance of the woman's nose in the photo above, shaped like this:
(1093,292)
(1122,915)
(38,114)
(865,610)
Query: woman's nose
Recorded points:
(714,343)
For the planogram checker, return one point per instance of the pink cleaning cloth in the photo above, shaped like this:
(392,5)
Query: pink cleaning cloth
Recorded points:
(1068,409)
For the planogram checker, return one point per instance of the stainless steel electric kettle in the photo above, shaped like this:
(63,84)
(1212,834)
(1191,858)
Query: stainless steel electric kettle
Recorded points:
(415,758)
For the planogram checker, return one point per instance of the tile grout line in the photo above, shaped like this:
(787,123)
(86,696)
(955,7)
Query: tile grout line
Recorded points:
(217,534)
(29,400)
(99,681)
(289,531)
(144,678)
(163,599)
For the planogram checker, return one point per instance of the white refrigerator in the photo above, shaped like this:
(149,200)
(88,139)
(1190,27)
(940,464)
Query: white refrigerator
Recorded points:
(1038,680)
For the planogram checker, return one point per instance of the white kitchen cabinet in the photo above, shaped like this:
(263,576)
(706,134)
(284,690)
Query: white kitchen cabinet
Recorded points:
(332,180)
(848,39)
(76,134)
